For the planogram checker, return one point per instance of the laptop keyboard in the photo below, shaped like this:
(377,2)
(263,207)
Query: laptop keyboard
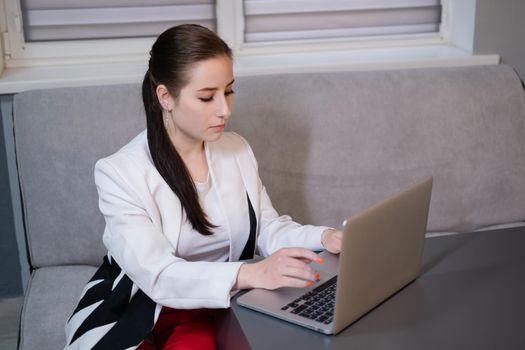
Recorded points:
(318,304)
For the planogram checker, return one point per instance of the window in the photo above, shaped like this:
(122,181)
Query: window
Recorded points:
(278,20)
(47,32)
(52,20)
(95,46)
(60,31)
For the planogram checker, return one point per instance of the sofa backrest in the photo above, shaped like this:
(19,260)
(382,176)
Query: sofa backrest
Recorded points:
(331,144)
(328,145)
(59,135)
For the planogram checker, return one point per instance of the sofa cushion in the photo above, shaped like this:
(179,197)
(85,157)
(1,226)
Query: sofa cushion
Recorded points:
(51,297)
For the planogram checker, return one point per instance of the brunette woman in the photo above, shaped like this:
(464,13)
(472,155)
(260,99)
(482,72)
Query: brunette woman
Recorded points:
(183,205)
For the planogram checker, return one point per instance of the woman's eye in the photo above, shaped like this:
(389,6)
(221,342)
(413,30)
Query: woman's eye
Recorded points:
(209,99)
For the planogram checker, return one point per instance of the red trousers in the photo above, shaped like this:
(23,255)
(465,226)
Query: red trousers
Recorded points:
(182,329)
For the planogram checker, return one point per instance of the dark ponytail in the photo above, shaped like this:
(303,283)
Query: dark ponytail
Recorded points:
(172,56)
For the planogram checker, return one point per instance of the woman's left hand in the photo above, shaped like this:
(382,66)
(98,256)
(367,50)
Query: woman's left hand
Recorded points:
(331,240)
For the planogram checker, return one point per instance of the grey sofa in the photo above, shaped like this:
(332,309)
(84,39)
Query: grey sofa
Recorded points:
(328,145)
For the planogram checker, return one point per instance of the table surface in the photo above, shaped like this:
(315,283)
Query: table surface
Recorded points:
(470,294)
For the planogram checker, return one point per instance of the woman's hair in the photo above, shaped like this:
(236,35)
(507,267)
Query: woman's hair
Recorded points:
(172,56)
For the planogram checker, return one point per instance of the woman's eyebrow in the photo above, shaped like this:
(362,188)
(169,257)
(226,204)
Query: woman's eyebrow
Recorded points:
(214,88)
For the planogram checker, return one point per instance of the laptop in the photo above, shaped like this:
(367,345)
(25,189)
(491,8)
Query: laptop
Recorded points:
(381,252)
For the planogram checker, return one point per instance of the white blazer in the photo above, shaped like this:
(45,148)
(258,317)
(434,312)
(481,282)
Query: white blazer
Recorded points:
(144,220)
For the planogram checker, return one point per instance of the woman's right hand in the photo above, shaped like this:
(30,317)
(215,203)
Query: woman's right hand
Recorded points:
(287,267)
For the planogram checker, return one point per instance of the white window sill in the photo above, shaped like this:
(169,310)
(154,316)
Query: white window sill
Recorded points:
(14,80)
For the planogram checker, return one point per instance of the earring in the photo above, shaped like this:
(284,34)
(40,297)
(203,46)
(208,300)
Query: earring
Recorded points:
(165,117)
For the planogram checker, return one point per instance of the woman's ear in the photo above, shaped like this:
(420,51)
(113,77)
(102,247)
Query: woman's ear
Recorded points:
(164,97)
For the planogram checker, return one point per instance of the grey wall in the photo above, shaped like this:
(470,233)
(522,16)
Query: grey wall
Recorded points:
(10,279)
(500,29)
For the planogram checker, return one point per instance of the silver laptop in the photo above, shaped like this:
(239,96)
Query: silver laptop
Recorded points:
(381,253)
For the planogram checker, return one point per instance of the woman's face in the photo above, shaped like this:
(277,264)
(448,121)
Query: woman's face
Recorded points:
(203,106)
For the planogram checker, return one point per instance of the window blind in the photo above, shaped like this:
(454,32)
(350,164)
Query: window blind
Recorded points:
(276,20)
(49,20)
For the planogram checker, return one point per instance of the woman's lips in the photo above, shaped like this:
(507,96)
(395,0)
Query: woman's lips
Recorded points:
(218,127)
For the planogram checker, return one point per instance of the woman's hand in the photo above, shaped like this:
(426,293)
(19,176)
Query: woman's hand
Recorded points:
(331,240)
(288,267)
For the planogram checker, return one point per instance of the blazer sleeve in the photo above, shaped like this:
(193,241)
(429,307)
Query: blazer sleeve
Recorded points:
(280,231)
(146,255)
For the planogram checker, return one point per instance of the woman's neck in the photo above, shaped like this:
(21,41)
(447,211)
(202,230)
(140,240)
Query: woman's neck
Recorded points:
(186,146)
(194,157)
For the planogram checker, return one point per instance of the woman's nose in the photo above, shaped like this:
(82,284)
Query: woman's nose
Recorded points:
(223,108)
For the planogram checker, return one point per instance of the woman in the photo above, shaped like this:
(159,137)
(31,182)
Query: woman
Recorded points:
(183,203)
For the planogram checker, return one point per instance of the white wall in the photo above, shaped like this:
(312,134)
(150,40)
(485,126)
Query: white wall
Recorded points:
(500,29)
(2,29)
